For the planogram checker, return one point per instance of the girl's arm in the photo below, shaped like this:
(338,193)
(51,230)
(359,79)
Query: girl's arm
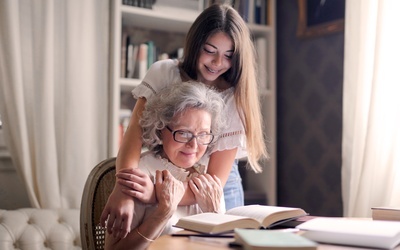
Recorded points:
(118,212)
(131,145)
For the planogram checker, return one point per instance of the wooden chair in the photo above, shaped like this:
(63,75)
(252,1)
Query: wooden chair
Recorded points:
(98,187)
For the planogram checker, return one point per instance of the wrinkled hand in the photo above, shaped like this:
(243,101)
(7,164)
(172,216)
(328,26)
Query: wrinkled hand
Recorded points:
(169,191)
(118,213)
(138,185)
(207,190)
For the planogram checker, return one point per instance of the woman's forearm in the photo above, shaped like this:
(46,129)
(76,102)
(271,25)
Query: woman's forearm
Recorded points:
(144,234)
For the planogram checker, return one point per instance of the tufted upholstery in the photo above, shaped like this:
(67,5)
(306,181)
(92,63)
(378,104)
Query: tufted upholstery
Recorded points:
(30,228)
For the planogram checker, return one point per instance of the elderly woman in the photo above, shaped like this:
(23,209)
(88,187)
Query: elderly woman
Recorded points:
(179,125)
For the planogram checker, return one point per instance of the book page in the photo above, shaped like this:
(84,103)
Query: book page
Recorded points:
(212,218)
(259,212)
(215,223)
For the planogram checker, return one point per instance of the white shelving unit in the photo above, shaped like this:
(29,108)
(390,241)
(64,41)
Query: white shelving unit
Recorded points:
(178,20)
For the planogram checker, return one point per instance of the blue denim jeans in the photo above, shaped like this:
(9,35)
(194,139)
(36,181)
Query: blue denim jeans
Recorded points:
(233,189)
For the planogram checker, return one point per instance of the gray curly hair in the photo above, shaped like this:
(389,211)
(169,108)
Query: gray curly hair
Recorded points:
(173,100)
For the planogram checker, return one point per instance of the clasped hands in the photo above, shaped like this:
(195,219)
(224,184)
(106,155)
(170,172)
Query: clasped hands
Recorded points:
(165,190)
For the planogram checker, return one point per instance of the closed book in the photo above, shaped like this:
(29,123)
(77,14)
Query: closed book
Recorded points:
(142,60)
(131,60)
(253,239)
(386,213)
(250,216)
(124,51)
(353,232)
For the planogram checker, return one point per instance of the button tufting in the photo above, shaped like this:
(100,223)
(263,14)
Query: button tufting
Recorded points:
(40,228)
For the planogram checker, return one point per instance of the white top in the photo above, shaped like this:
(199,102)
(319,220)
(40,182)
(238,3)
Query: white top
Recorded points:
(165,72)
(149,163)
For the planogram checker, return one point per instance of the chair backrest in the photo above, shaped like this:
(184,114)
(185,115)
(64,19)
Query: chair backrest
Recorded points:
(98,187)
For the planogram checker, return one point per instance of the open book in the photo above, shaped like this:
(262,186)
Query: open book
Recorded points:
(353,232)
(251,216)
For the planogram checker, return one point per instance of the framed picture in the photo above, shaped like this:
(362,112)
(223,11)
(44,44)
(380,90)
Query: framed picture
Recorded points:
(320,17)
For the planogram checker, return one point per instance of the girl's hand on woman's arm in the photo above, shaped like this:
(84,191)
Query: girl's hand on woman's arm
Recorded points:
(138,185)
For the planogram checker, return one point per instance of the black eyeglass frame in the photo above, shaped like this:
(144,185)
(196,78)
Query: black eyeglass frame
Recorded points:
(193,136)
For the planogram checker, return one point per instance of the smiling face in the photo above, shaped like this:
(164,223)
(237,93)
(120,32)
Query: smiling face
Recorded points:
(215,57)
(185,155)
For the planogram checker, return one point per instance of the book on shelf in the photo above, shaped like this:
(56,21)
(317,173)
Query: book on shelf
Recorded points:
(252,11)
(148,4)
(386,213)
(124,41)
(151,53)
(132,57)
(252,239)
(142,60)
(249,216)
(352,232)
(260,12)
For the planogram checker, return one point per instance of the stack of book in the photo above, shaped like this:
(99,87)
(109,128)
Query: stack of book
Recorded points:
(148,4)
(252,11)
(136,58)
(386,213)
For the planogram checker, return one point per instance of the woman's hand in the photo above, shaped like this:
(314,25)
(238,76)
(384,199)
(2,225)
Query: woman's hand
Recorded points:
(139,185)
(208,192)
(169,191)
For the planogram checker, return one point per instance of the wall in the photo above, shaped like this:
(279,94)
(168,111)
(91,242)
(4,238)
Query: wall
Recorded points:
(309,116)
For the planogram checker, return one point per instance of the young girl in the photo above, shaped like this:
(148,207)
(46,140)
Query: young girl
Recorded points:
(218,52)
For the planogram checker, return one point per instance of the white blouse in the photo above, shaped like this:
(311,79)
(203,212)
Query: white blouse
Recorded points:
(165,72)
(149,163)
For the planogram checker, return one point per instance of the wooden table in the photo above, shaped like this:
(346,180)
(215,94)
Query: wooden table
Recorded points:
(168,242)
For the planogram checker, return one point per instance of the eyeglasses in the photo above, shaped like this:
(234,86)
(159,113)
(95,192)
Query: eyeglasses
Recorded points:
(183,136)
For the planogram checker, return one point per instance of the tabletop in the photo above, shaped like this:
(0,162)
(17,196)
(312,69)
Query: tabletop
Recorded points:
(168,242)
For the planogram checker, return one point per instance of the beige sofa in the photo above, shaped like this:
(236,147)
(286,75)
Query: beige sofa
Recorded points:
(30,228)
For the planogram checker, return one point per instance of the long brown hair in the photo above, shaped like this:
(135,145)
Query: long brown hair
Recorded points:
(242,75)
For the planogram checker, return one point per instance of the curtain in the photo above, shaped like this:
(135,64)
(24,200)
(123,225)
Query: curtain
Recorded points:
(371,107)
(53,94)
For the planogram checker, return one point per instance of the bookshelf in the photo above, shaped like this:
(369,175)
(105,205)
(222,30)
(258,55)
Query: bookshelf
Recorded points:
(166,24)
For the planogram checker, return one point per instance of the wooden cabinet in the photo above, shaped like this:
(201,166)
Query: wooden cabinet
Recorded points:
(167,25)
